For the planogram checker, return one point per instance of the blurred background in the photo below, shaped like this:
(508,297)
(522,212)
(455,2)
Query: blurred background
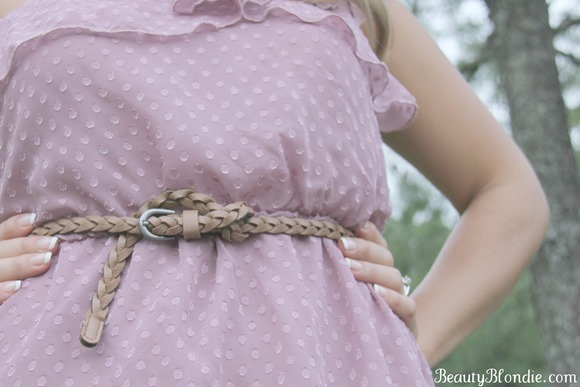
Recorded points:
(521,57)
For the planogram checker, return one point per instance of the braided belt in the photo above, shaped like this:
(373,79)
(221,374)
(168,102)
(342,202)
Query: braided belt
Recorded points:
(234,223)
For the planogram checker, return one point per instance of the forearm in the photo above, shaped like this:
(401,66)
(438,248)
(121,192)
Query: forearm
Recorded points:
(458,145)
(496,237)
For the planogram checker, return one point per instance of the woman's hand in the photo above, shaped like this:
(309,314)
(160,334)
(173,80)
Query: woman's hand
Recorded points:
(371,261)
(22,256)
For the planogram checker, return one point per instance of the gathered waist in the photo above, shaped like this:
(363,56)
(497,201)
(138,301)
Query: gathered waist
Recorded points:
(157,220)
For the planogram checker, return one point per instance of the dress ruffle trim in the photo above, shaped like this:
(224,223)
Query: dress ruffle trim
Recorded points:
(394,105)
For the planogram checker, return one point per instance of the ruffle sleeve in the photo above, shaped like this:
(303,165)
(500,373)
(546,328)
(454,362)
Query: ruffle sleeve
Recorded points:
(394,106)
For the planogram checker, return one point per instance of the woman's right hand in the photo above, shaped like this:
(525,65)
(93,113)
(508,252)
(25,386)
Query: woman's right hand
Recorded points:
(21,255)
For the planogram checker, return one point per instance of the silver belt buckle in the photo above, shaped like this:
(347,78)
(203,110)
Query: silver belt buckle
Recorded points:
(144,224)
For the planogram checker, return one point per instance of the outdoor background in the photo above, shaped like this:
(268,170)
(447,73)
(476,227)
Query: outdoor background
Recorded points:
(522,58)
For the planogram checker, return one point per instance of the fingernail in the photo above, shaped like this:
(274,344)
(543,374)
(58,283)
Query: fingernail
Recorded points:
(12,286)
(382,291)
(46,243)
(355,266)
(26,220)
(41,259)
(348,243)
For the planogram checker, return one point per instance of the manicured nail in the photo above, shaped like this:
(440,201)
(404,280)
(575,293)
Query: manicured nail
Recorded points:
(348,243)
(12,286)
(46,243)
(41,259)
(355,266)
(382,291)
(26,220)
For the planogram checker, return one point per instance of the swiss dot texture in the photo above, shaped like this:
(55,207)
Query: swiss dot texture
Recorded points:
(278,103)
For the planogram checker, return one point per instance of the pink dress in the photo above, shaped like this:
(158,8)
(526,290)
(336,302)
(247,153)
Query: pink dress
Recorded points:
(105,104)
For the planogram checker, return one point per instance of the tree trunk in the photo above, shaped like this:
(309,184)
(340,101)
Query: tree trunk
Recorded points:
(525,56)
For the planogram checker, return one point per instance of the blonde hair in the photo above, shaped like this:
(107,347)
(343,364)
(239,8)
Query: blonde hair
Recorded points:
(376,26)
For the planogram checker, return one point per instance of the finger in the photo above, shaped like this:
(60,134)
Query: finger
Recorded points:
(372,273)
(370,232)
(7,289)
(26,266)
(403,306)
(17,226)
(27,245)
(364,250)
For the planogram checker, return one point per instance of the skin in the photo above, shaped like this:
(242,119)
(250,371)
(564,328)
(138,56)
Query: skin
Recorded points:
(504,212)
(458,145)
(9,5)
(371,261)
(22,256)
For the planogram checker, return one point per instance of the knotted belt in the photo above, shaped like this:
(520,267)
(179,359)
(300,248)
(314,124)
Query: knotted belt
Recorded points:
(155,220)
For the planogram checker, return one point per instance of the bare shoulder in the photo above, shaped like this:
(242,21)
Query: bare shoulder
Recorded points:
(7,6)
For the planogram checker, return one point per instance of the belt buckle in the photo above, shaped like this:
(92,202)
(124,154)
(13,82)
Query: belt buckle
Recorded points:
(144,224)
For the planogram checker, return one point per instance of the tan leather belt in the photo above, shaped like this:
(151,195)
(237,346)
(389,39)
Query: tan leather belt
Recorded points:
(156,221)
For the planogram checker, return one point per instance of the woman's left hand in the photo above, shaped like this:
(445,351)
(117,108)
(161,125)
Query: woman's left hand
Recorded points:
(371,261)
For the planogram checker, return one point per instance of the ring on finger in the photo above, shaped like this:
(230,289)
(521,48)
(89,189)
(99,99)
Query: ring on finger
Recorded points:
(406,285)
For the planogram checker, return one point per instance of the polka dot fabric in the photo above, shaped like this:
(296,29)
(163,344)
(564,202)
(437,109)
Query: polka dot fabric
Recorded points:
(277,103)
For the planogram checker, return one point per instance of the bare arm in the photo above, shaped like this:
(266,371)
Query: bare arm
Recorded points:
(457,144)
